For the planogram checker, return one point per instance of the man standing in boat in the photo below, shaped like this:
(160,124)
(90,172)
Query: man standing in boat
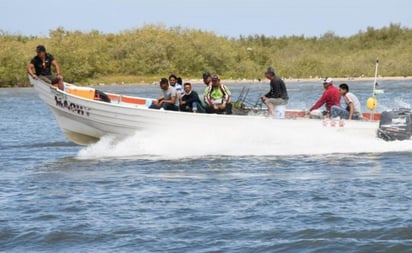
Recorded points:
(278,94)
(329,98)
(41,64)
(168,99)
(353,106)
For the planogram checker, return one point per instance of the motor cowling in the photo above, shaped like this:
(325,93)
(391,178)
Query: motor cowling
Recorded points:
(395,125)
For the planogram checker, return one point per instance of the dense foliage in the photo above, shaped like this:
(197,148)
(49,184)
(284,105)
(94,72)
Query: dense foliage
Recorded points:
(152,51)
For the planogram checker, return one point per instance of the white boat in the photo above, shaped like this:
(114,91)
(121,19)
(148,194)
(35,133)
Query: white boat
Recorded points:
(85,120)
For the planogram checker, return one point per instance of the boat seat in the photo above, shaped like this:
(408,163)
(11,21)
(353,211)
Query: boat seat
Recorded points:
(133,100)
(83,92)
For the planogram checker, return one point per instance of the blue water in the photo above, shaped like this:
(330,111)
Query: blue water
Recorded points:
(55,199)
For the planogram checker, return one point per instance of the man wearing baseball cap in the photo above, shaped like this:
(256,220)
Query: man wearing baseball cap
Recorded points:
(278,94)
(218,97)
(329,98)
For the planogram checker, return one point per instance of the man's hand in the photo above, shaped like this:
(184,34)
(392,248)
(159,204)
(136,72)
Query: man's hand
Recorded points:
(264,98)
(222,106)
(35,76)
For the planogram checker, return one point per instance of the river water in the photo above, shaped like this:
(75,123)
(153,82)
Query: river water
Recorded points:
(59,197)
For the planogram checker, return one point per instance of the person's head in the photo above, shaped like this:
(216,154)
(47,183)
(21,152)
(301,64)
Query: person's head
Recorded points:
(343,89)
(172,80)
(41,50)
(179,80)
(327,82)
(270,73)
(187,87)
(215,80)
(207,78)
(164,84)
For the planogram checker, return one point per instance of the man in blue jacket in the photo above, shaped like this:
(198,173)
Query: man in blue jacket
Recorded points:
(190,101)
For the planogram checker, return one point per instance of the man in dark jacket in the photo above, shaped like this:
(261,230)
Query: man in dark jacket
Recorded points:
(278,94)
(190,101)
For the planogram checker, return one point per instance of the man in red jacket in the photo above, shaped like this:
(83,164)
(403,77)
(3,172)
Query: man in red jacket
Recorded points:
(330,97)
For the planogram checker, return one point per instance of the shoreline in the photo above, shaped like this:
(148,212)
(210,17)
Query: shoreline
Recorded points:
(248,81)
(293,80)
(319,79)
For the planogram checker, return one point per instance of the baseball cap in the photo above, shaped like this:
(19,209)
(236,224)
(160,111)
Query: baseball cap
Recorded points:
(327,80)
(270,70)
(215,78)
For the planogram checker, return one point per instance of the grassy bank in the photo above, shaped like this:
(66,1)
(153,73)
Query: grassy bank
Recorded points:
(144,55)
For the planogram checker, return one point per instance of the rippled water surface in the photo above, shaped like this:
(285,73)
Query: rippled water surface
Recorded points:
(59,197)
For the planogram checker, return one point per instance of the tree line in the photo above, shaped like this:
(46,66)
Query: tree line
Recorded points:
(147,53)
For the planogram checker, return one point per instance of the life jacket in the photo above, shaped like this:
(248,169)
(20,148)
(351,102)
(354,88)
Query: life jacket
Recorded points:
(226,97)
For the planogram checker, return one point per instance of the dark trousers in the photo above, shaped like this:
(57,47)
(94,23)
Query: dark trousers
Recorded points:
(187,108)
(227,110)
(166,106)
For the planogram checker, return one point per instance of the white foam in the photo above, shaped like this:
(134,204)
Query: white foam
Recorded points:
(256,138)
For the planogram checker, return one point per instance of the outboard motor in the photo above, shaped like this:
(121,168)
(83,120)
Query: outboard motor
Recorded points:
(395,125)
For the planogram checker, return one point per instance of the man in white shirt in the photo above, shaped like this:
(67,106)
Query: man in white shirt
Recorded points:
(353,106)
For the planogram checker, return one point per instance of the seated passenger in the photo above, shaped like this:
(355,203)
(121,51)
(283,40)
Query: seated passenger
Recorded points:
(168,100)
(179,80)
(207,78)
(353,106)
(330,97)
(41,64)
(217,97)
(190,101)
(278,94)
(173,82)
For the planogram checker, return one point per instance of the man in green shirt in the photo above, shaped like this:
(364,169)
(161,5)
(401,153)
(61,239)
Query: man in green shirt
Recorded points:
(218,97)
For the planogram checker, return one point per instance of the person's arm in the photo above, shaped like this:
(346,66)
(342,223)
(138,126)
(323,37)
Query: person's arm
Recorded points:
(228,94)
(30,68)
(172,100)
(320,102)
(207,97)
(181,101)
(268,95)
(226,98)
(158,101)
(56,68)
(351,110)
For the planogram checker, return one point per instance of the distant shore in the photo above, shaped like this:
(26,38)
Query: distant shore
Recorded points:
(308,80)
(130,82)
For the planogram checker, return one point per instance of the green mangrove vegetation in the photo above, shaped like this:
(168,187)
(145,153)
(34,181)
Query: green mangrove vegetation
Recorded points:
(147,53)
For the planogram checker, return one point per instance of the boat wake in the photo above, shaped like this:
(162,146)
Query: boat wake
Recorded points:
(254,139)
